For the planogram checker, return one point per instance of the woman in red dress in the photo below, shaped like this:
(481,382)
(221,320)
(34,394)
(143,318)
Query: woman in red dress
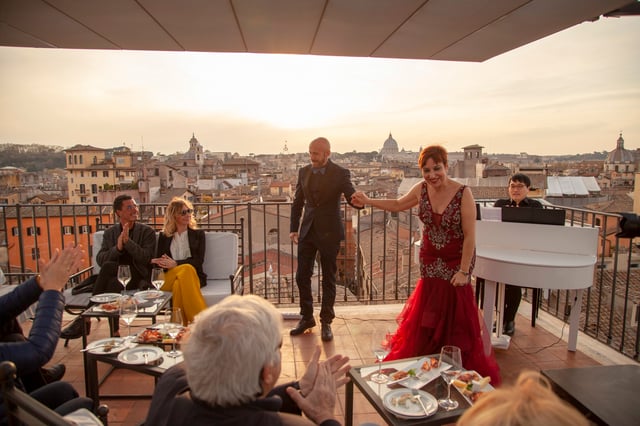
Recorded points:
(442,308)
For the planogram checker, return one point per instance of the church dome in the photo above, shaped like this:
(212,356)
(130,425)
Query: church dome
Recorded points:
(620,155)
(390,146)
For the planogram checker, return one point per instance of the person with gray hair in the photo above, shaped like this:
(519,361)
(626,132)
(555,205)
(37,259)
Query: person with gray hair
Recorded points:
(232,364)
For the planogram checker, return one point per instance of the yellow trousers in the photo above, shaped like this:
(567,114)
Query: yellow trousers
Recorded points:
(184,283)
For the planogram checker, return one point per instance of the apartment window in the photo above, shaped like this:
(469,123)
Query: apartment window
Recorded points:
(33,230)
(70,159)
(82,188)
(95,160)
(83,199)
(75,159)
(81,174)
(84,229)
(95,199)
(105,173)
(94,188)
(67,230)
(94,174)
(15,231)
(80,159)
(35,253)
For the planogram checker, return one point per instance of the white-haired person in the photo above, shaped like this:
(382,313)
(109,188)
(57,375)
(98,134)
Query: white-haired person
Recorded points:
(180,253)
(231,367)
(529,402)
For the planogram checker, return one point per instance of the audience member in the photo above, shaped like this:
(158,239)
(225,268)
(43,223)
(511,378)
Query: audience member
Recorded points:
(33,352)
(232,363)
(125,243)
(180,252)
(530,402)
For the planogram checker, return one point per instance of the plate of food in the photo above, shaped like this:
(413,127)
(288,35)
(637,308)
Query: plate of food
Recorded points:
(404,404)
(148,294)
(111,345)
(158,334)
(109,307)
(472,385)
(419,373)
(139,355)
(104,298)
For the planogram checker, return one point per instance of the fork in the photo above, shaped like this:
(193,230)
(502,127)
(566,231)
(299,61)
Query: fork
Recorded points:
(416,396)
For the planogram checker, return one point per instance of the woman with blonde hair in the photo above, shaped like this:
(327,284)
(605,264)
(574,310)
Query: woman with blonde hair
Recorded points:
(180,253)
(530,402)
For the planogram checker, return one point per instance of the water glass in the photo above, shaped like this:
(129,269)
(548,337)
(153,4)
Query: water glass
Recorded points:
(124,276)
(173,327)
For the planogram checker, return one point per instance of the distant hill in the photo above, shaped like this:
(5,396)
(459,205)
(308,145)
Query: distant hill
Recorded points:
(33,158)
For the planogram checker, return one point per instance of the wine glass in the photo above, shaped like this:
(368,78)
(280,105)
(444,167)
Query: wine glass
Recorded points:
(452,356)
(173,327)
(380,345)
(128,312)
(124,276)
(157,279)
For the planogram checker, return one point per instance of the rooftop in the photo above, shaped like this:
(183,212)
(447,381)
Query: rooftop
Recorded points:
(531,348)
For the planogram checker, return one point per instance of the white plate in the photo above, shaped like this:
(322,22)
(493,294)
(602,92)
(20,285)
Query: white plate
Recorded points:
(422,377)
(99,345)
(104,297)
(485,388)
(411,408)
(148,294)
(136,356)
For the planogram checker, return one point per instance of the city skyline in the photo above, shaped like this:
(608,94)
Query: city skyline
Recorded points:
(572,92)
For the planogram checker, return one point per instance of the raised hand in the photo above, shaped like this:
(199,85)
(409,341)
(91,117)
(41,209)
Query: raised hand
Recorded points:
(55,273)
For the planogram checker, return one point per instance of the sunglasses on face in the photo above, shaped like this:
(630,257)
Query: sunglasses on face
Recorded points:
(187,211)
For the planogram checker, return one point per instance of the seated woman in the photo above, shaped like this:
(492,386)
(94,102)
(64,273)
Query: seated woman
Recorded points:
(180,253)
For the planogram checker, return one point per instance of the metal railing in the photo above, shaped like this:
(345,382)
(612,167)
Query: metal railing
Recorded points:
(376,264)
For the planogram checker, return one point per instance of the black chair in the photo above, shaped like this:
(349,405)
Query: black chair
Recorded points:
(23,409)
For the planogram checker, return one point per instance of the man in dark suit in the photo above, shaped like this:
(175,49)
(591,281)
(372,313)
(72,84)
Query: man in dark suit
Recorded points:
(319,191)
(519,185)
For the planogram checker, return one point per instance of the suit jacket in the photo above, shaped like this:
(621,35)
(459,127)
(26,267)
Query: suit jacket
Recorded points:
(321,207)
(140,247)
(197,246)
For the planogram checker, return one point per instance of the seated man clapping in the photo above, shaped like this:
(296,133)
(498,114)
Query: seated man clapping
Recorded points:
(232,363)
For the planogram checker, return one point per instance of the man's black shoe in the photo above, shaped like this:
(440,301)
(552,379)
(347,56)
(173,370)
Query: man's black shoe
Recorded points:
(74,330)
(54,373)
(509,328)
(327,334)
(303,325)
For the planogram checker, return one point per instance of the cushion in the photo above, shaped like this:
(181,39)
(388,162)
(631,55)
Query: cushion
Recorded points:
(221,255)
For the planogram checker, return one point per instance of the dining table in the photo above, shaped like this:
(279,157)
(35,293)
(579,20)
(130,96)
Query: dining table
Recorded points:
(375,393)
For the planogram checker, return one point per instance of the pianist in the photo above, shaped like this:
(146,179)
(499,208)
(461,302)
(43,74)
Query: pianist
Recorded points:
(518,190)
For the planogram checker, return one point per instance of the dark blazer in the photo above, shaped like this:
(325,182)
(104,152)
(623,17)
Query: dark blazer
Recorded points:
(196,245)
(322,211)
(140,247)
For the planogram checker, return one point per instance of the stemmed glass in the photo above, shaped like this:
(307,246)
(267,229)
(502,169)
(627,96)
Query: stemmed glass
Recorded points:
(452,356)
(380,345)
(128,312)
(124,276)
(173,326)
(157,279)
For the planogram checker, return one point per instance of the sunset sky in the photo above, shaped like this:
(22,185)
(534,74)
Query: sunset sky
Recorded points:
(572,92)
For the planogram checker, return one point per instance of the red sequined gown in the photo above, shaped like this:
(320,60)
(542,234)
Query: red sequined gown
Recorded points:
(437,313)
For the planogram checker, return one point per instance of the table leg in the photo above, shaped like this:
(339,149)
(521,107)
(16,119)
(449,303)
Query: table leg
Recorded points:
(574,321)
(91,378)
(348,404)
(489,303)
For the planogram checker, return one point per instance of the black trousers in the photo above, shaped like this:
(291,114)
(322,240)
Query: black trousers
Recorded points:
(308,248)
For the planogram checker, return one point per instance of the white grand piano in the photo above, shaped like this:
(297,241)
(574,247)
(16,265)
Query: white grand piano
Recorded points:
(537,256)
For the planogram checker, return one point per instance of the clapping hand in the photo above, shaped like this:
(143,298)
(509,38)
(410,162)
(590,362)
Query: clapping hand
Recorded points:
(318,385)
(55,273)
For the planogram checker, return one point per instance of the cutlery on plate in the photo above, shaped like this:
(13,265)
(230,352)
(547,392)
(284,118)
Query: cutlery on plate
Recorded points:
(416,396)
(113,346)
